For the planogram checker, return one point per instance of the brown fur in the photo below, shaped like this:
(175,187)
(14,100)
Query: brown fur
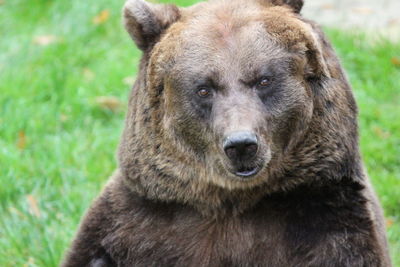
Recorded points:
(174,201)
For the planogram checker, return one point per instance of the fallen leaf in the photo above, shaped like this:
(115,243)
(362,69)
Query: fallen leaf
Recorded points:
(63,117)
(101,17)
(393,22)
(363,10)
(389,222)
(31,262)
(21,141)
(88,74)
(60,216)
(396,61)
(130,80)
(108,102)
(44,40)
(327,6)
(381,133)
(15,211)
(33,206)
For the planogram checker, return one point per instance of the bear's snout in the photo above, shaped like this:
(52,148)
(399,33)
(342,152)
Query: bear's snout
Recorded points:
(241,149)
(240,146)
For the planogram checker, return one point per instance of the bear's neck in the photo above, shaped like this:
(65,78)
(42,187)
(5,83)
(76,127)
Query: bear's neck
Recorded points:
(154,183)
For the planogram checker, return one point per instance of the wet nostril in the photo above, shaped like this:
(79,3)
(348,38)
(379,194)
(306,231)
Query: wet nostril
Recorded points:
(240,146)
(231,152)
(251,149)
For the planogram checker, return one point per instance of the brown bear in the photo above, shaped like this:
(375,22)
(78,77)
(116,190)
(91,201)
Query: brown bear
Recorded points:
(240,147)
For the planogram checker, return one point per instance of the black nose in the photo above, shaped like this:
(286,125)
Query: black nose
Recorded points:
(240,146)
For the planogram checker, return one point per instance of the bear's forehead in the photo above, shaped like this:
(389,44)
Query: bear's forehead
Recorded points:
(226,44)
(221,22)
(231,37)
(235,29)
(225,50)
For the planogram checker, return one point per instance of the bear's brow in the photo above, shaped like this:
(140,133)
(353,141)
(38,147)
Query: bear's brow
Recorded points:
(226,24)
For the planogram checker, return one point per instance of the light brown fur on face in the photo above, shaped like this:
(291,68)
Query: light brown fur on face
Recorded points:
(232,57)
(179,199)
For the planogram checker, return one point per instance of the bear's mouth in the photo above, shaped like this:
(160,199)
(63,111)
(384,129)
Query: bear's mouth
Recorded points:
(246,172)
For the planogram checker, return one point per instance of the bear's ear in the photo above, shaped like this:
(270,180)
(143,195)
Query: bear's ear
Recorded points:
(145,22)
(317,65)
(296,5)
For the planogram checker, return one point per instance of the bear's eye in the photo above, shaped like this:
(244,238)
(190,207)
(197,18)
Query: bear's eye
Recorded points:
(263,82)
(203,92)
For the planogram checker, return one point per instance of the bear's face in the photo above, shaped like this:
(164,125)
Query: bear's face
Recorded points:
(234,93)
(237,105)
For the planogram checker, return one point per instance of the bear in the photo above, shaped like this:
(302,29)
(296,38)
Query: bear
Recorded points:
(240,147)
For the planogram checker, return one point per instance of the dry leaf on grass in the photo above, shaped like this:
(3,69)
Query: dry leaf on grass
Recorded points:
(108,102)
(327,6)
(395,61)
(393,22)
(389,222)
(21,140)
(380,132)
(130,80)
(101,17)
(88,74)
(16,211)
(363,10)
(63,117)
(31,262)
(33,205)
(44,40)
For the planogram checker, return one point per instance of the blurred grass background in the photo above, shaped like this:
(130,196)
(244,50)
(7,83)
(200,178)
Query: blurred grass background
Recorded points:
(66,67)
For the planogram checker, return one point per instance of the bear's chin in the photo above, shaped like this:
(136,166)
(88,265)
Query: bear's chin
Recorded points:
(231,179)
(247,172)
(235,182)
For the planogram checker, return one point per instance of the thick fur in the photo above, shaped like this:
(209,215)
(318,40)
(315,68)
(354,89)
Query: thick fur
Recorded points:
(174,200)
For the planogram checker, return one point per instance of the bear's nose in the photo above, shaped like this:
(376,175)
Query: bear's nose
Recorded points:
(240,146)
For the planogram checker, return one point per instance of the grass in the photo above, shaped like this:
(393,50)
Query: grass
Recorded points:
(58,139)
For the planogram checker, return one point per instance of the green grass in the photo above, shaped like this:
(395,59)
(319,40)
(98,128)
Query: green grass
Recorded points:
(57,143)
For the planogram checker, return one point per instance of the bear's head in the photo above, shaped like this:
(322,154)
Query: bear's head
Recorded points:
(234,99)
